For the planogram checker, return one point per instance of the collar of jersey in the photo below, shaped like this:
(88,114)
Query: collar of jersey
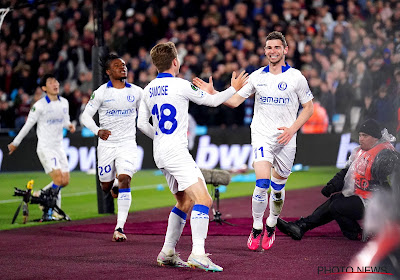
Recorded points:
(165,75)
(284,68)
(48,99)
(109,84)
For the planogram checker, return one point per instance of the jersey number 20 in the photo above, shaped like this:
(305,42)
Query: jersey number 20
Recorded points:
(162,117)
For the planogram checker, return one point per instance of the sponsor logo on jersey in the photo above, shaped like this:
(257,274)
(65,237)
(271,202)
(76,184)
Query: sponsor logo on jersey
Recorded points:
(130,98)
(92,96)
(282,86)
(55,121)
(269,100)
(108,100)
(262,85)
(119,112)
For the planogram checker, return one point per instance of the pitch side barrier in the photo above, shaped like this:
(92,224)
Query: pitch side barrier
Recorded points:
(219,148)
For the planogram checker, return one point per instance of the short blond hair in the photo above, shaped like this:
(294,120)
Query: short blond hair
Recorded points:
(162,55)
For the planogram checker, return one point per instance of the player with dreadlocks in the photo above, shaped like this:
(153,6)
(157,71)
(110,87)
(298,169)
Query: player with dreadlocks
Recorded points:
(117,102)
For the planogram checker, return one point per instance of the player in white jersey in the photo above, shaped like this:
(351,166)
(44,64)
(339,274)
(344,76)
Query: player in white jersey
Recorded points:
(51,113)
(117,103)
(278,91)
(166,100)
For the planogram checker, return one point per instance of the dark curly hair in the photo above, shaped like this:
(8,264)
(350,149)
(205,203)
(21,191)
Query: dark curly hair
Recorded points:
(106,61)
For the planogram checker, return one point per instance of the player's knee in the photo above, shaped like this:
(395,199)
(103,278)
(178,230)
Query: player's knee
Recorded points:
(185,206)
(124,181)
(207,201)
(57,179)
(65,182)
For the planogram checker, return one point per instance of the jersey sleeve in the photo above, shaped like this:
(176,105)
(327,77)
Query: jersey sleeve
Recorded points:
(32,119)
(201,97)
(139,98)
(303,90)
(143,119)
(91,108)
(67,118)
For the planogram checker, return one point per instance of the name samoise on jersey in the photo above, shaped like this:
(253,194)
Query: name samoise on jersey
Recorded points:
(159,90)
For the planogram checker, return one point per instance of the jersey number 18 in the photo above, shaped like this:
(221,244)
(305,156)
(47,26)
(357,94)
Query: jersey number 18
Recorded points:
(162,117)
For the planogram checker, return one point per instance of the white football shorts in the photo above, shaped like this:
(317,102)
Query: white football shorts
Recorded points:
(53,159)
(181,171)
(280,156)
(117,160)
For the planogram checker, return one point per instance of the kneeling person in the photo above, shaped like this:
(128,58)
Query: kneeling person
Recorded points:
(366,172)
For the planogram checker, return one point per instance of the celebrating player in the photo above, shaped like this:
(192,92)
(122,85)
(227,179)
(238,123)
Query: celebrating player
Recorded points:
(166,100)
(51,113)
(117,102)
(278,89)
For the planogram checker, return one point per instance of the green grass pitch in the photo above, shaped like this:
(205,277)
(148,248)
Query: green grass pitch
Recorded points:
(79,198)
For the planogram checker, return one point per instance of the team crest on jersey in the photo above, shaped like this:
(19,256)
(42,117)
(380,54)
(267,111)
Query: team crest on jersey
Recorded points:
(130,98)
(65,110)
(33,109)
(194,87)
(92,96)
(282,86)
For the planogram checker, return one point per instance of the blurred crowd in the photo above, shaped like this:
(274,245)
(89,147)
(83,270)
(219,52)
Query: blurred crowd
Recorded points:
(349,51)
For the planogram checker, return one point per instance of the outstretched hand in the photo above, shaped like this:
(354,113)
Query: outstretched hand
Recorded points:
(207,87)
(239,81)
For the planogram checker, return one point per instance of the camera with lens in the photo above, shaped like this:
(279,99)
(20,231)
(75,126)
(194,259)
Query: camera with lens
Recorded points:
(47,200)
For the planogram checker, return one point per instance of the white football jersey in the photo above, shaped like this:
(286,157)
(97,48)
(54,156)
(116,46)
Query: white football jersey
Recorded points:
(51,117)
(117,112)
(167,99)
(276,102)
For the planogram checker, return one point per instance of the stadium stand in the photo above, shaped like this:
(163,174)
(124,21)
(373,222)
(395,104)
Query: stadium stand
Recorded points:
(349,50)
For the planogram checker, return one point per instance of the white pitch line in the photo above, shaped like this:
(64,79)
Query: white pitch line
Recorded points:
(134,188)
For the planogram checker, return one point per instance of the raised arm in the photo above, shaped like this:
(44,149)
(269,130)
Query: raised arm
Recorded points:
(234,101)
(237,82)
(30,122)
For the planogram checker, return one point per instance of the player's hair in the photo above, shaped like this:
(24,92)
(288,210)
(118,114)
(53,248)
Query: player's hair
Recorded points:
(162,55)
(105,61)
(44,79)
(276,35)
